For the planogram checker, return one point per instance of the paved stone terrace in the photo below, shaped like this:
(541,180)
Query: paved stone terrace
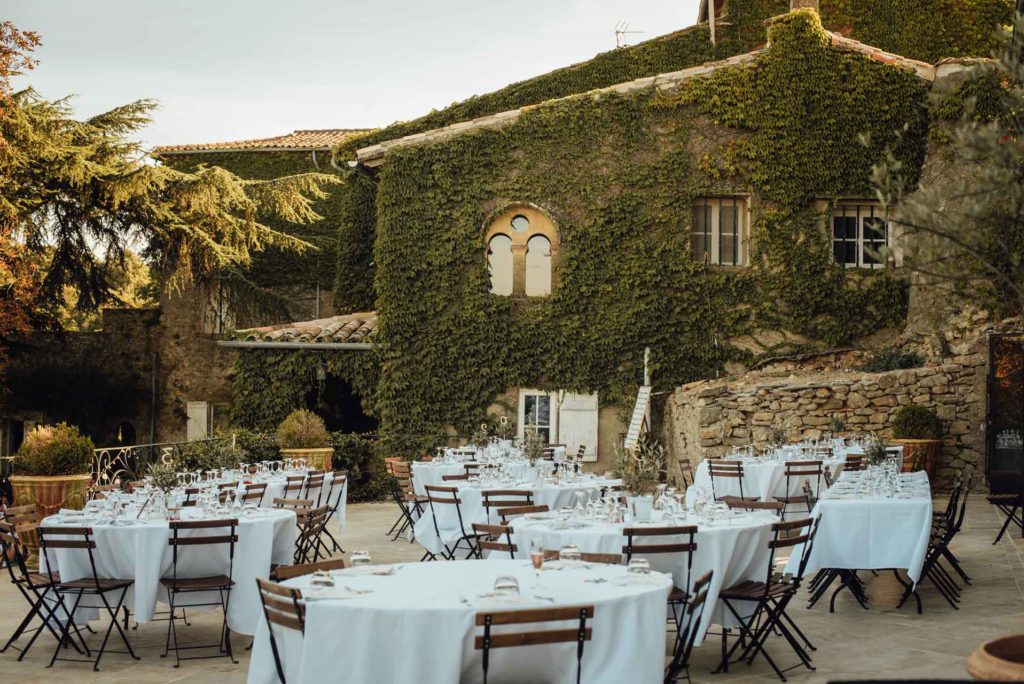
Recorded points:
(852,643)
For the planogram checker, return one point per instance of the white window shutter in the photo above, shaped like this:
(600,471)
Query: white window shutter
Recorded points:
(578,418)
(198,420)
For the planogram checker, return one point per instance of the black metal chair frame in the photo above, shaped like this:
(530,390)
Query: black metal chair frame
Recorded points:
(580,635)
(223,590)
(450,551)
(299,615)
(679,598)
(338,481)
(81,588)
(686,637)
(737,466)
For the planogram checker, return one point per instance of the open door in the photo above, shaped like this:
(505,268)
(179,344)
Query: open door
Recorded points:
(1005,404)
(578,421)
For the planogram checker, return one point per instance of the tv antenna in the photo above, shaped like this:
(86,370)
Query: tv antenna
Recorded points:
(621,31)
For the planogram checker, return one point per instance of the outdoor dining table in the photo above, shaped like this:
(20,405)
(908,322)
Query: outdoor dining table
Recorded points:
(735,547)
(764,478)
(416,624)
(866,531)
(139,550)
(433,472)
(275,490)
(553,495)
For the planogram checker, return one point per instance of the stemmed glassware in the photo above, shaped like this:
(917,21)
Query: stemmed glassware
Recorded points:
(536,559)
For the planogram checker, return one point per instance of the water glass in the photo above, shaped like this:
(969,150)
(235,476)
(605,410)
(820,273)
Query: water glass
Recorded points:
(507,587)
(359,558)
(569,553)
(638,566)
(321,579)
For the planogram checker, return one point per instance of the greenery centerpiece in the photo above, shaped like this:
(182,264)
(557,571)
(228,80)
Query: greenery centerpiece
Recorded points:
(163,476)
(533,445)
(481,436)
(303,435)
(215,454)
(875,452)
(919,429)
(641,471)
(52,469)
(836,425)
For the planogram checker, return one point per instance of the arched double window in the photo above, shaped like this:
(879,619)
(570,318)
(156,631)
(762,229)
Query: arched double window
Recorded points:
(522,250)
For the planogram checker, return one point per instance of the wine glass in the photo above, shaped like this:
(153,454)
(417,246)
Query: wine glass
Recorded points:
(536,559)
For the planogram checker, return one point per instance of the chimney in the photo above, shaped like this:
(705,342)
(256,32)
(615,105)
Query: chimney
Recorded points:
(802,4)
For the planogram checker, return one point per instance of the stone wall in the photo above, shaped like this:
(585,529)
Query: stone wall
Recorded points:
(709,418)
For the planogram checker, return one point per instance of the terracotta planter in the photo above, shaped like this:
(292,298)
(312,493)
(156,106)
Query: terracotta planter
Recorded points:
(317,459)
(999,660)
(50,493)
(921,454)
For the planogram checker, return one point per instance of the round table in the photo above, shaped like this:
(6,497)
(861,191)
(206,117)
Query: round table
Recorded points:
(554,496)
(433,472)
(763,478)
(275,490)
(138,550)
(418,625)
(735,548)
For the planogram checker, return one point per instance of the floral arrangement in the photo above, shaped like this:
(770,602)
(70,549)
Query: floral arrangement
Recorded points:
(302,429)
(533,445)
(642,470)
(163,476)
(481,436)
(52,450)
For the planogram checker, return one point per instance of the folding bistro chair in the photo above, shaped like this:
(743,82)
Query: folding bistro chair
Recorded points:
(314,483)
(333,502)
(282,606)
(606,558)
(1006,493)
(489,538)
(795,471)
(686,637)
(411,506)
(82,539)
(311,527)
(508,513)
(217,533)
(854,462)
(449,496)
(686,471)
(286,572)
(254,492)
(293,487)
(726,470)
(678,597)
(770,598)
(34,588)
(497,499)
(580,634)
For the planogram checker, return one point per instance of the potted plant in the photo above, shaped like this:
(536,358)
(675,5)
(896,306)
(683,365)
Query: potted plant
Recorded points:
(482,436)
(998,660)
(876,452)
(919,429)
(641,472)
(52,469)
(533,445)
(836,426)
(303,435)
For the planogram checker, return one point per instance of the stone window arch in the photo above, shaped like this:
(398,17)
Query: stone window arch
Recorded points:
(522,252)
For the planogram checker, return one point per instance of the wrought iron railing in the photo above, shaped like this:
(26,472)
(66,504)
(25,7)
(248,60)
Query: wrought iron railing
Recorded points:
(112,464)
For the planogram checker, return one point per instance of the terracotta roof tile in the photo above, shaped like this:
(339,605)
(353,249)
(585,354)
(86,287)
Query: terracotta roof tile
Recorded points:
(357,327)
(320,139)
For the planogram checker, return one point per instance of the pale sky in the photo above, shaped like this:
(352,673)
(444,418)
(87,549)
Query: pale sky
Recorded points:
(235,69)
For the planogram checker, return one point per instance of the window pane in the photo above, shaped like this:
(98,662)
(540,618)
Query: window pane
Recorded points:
(499,261)
(538,266)
(844,227)
(728,226)
(544,410)
(530,410)
(700,232)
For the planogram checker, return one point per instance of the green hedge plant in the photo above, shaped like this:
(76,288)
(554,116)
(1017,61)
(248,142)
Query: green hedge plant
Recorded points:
(53,450)
(302,429)
(209,455)
(916,422)
(892,359)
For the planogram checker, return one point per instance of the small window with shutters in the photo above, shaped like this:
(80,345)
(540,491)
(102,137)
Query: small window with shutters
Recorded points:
(860,234)
(718,233)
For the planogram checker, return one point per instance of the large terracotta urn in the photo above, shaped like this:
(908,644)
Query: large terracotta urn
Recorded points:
(50,493)
(317,459)
(921,454)
(998,660)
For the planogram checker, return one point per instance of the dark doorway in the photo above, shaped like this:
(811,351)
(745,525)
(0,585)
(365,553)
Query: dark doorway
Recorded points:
(339,405)
(1006,403)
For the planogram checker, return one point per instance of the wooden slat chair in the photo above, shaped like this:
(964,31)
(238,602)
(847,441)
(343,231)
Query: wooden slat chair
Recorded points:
(80,539)
(410,504)
(286,572)
(99,492)
(455,478)
(774,506)
(489,538)
(507,514)
(678,597)
(580,634)
(548,453)
(581,452)
(440,496)
(795,471)
(471,468)
(311,527)
(26,521)
(854,462)
(136,485)
(190,496)
(586,557)
(34,588)
(332,500)
(726,470)
(254,493)
(297,505)
(314,483)
(770,599)
(282,606)
(686,471)
(687,636)
(505,498)
(200,536)
(293,486)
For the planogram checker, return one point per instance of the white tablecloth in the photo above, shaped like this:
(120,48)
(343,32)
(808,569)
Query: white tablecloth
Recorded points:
(472,507)
(275,490)
(415,628)
(140,551)
(736,551)
(433,472)
(763,479)
(871,533)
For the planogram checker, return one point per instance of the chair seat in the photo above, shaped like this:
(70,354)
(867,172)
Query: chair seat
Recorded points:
(792,499)
(752,591)
(90,583)
(1005,499)
(729,497)
(197,583)
(678,595)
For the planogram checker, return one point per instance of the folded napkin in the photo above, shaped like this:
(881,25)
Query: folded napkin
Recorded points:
(334,593)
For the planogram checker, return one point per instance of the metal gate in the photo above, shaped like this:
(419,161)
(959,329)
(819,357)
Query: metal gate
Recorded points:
(1005,434)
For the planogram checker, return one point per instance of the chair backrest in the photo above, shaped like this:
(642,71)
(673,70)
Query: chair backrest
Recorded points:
(809,494)
(12,553)
(581,452)
(579,634)
(227,485)
(854,462)
(606,558)
(311,525)
(694,616)
(136,485)
(775,506)
(725,469)
(441,494)
(686,470)
(802,469)
(789,535)
(293,483)
(507,513)
(685,545)
(221,532)
(254,492)
(338,482)
(70,538)
(490,537)
(506,498)
(21,514)
(827,474)
(101,491)
(285,572)
(548,453)
(293,504)
(282,606)
(453,478)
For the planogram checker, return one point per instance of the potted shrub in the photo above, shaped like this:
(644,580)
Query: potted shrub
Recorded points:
(641,472)
(52,469)
(303,435)
(919,429)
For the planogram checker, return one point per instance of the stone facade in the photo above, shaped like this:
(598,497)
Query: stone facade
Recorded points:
(798,396)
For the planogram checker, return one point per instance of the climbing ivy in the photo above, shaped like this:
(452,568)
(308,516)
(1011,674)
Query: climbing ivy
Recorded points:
(619,174)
